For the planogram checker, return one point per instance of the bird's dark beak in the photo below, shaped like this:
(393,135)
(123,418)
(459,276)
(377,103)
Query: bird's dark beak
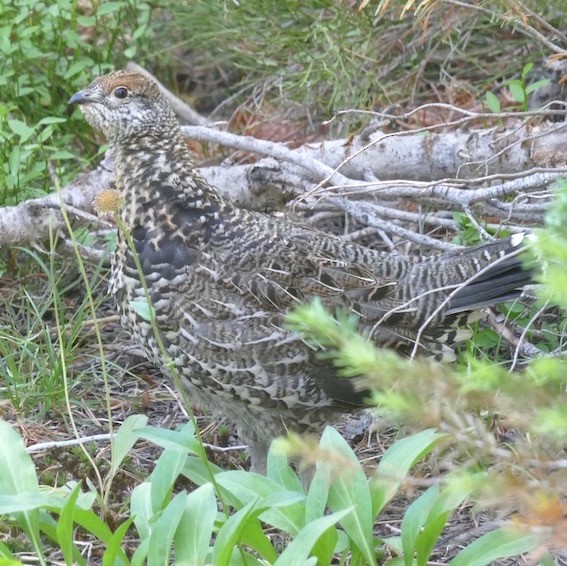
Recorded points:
(79,98)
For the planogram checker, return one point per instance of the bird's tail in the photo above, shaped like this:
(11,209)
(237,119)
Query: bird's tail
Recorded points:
(498,273)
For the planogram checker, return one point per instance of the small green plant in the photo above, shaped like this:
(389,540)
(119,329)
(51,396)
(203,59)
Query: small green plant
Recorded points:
(520,90)
(48,51)
(333,519)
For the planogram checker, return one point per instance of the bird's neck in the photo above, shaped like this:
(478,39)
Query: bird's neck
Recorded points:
(158,171)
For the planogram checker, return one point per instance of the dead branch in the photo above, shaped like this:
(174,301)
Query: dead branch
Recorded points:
(455,155)
(437,170)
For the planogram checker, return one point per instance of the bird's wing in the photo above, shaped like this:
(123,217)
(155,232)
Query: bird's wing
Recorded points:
(280,264)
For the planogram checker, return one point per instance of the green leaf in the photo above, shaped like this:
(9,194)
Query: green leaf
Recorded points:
(114,555)
(19,502)
(298,551)
(501,543)
(141,509)
(165,474)
(21,129)
(396,463)
(163,531)
(199,471)
(6,557)
(349,489)
(183,438)
(318,493)
(517,91)
(193,535)
(284,510)
(326,546)
(86,21)
(280,471)
(445,503)
(62,154)
(51,120)
(230,533)
(413,521)
(129,52)
(65,526)
(255,537)
(10,562)
(492,102)
(92,523)
(527,68)
(105,8)
(538,84)
(19,477)
(125,439)
(143,308)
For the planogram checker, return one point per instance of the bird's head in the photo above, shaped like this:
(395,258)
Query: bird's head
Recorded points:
(123,104)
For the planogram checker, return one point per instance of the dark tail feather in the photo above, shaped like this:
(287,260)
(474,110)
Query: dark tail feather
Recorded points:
(501,282)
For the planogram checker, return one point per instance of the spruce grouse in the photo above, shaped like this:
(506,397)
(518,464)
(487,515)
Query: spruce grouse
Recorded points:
(221,279)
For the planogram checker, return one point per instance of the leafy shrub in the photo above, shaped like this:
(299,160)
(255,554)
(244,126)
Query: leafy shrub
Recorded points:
(49,50)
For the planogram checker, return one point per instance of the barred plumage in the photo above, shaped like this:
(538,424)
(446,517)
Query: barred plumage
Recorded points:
(221,279)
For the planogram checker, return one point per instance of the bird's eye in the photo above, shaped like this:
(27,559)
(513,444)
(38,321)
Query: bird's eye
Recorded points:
(121,92)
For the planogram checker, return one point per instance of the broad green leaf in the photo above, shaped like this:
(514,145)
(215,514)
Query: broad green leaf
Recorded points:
(527,68)
(165,474)
(243,487)
(230,533)
(7,556)
(51,120)
(93,524)
(65,526)
(48,528)
(326,546)
(19,477)
(182,438)
(125,439)
(517,91)
(163,531)
(349,489)
(492,102)
(298,551)
(446,502)
(414,519)
(21,129)
(18,472)
(105,8)
(396,463)
(141,509)
(538,84)
(140,554)
(501,543)
(241,558)
(62,154)
(395,543)
(280,471)
(28,502)
(193,535)
(114,555)
(254,537)
(143,308)
(198,471)
(398,561)
(318,493)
